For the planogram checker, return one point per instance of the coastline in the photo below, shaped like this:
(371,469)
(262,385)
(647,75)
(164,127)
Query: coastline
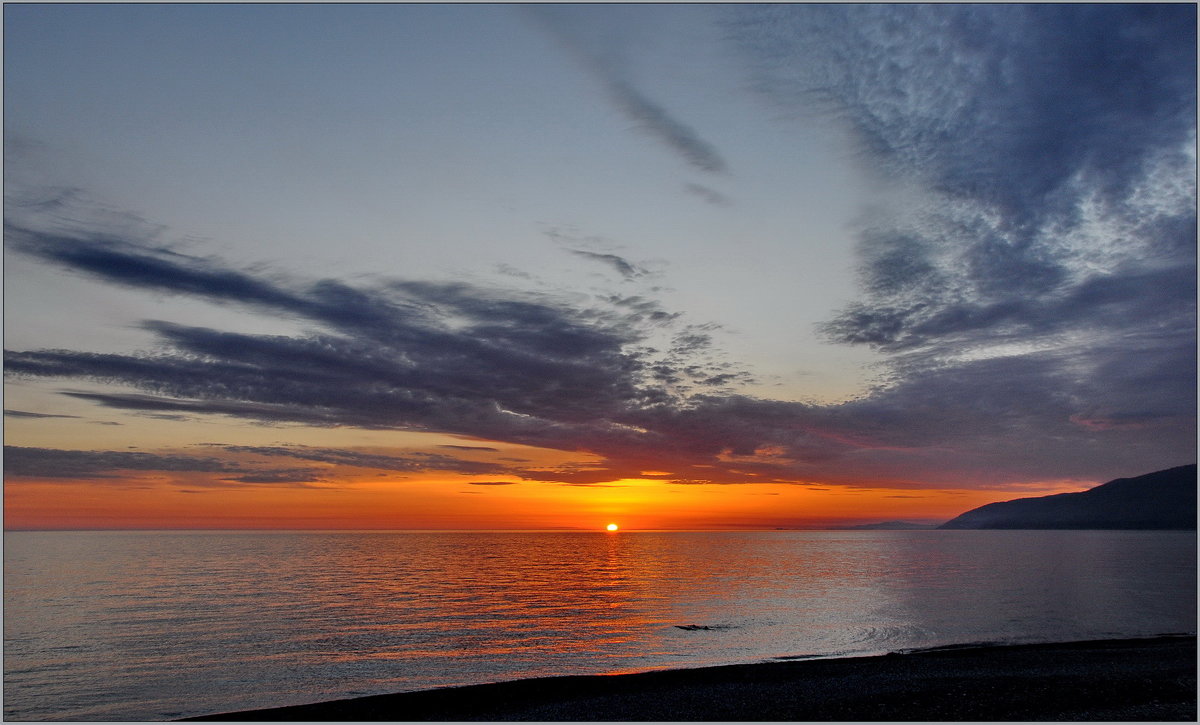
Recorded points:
(1149,679)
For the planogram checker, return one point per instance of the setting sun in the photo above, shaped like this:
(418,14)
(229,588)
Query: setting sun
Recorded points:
(611,527)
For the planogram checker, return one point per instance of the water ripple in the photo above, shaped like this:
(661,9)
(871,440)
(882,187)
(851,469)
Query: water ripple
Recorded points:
(110,626)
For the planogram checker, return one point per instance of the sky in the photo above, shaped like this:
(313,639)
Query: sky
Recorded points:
(556,266)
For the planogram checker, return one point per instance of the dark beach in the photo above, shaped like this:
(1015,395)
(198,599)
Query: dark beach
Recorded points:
(1150,679)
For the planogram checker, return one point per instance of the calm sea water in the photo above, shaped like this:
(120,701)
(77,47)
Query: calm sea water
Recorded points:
(159,625)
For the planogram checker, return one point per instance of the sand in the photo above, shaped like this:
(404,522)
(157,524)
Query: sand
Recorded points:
(1135,679)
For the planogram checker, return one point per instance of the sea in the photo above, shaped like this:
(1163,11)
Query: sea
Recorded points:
(146,626)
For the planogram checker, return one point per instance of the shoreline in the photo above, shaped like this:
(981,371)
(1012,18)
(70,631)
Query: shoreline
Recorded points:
(1147,679)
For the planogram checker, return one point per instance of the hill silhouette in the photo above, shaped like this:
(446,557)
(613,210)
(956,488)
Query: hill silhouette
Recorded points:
(1159,500)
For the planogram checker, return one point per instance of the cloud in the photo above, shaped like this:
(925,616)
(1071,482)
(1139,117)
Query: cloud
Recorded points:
(298,475)
(449,357)
(116,466)
(26,462)
(120,262)
(49,364)
(25,414)
(571,29)
(383,462)
(42,463)
(1013,106)
(1054,144)
(711,196)
(492,483)
(657,122)
(626,269)
(570,241)
(470,448)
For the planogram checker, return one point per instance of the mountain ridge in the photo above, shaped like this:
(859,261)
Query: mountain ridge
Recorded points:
(1164,499)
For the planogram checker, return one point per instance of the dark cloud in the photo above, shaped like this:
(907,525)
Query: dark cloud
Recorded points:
(571,241)
(626,269)
(24,462)
(266,414)
(492,483)
(360,459)
(571,29)
(1096,304)
(25,414)
(642,310)
(120,262)
(657,122)
(52,463)
(470,448)
(1021,107)
(418,355)
(1056,144)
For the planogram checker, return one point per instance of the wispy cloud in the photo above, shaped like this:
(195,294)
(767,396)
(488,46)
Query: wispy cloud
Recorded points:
(658,123)
(470,448)
(21,461)
(1055,145)
(26,414)
(626,269)
(571,242)
(383,462)
(651,117)
(711,196)
(233,465)
(292,476)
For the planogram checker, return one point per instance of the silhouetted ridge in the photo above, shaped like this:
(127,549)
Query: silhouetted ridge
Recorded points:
(1160,500)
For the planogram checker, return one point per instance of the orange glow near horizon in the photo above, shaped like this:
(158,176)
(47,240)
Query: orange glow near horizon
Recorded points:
(346,492)
(187,501)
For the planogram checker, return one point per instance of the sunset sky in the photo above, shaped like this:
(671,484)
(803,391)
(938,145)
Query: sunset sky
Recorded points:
(554,266)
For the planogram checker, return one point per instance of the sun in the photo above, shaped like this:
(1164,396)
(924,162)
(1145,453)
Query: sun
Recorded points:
(612,527)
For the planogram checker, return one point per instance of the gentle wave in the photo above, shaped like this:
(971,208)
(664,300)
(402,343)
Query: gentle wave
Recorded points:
(110,626)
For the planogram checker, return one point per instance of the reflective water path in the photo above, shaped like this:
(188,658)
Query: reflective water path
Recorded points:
(159,625)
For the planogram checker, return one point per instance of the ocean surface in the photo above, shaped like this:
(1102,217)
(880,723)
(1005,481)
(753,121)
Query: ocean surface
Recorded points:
(161,625)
